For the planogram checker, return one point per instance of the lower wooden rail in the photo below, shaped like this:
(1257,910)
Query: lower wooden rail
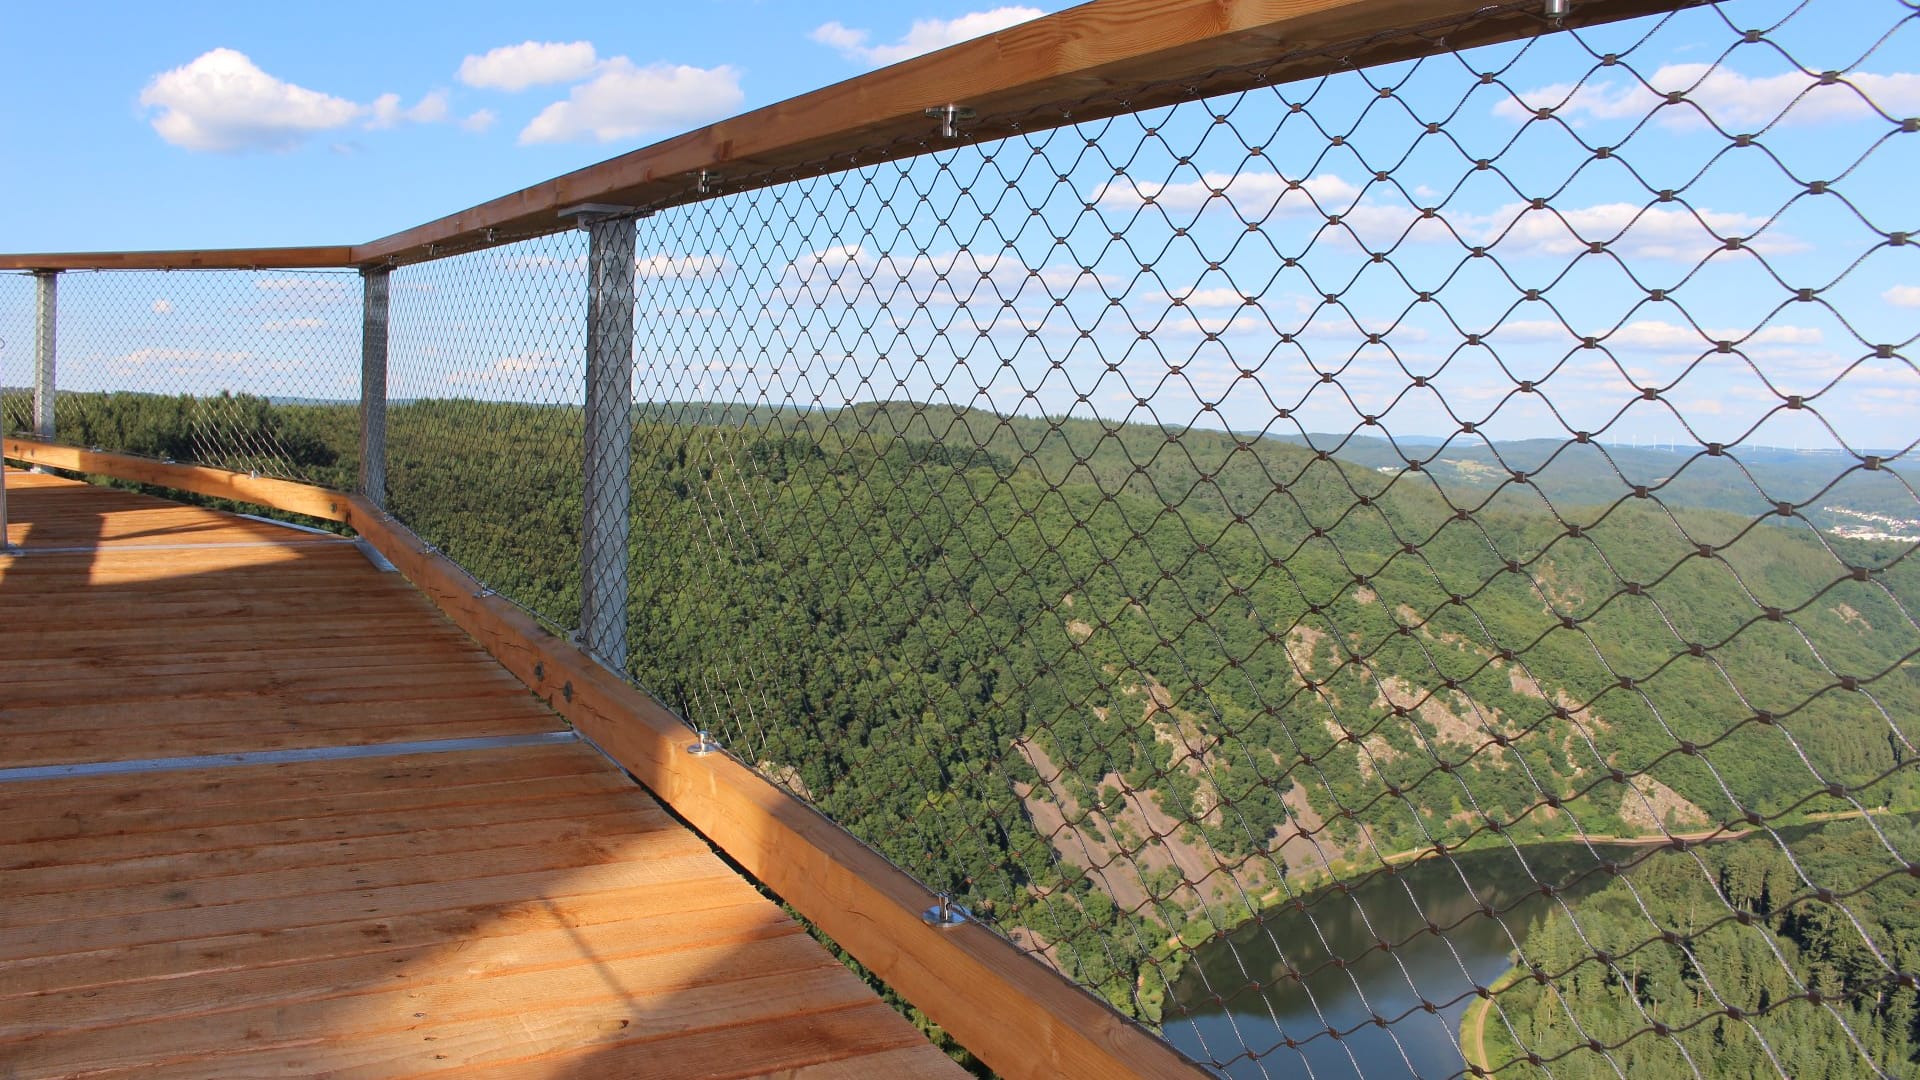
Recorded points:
(285,495)
(1017,1016)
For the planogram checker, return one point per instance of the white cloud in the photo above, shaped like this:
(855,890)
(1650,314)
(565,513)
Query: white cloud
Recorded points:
(624,101)
(681,266)
(387,112)
(513,368)
(1659,334)
(222,101)
(530,63)
(281,326)
(478,121)
(1254,194)
(1629,230)
(188,362)
(925,36)
(1735,101)
(162,306)
(1902,296)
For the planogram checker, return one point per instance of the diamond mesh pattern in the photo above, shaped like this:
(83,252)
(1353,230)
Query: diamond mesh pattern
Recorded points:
(1158,531)
(16,353)
(238,369)
(1405,572)
(473,339)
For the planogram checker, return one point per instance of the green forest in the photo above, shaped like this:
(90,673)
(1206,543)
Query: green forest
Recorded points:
(1118,688)
(1767,967)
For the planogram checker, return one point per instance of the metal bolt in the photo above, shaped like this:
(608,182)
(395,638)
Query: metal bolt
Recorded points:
(704,745)
(945,913)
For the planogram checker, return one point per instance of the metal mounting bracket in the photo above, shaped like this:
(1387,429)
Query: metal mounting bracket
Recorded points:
(585,214)
(950,117)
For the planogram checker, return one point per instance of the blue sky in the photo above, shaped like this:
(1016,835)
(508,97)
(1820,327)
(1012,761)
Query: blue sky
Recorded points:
(88,170)
(206,127)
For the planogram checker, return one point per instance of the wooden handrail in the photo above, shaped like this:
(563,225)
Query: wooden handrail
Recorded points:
(1021,1018)
(1096,60)
(290,258)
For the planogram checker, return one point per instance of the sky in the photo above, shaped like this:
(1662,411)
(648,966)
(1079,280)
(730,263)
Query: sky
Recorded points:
(1169,276)
(200,125)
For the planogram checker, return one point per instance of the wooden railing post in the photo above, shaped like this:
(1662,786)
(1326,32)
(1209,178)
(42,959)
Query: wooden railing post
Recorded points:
(45,330)
(373,385)
(607,507)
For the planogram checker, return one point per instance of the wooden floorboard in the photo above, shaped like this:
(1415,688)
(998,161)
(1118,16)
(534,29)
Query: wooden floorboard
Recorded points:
(503,912)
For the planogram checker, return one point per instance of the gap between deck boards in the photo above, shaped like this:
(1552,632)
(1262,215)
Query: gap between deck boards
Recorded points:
(285,757)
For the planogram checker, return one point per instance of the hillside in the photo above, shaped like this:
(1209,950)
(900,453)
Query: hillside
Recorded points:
(1108,683)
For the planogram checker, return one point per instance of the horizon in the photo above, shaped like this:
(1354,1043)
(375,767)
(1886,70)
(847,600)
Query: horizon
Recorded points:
(1133,298)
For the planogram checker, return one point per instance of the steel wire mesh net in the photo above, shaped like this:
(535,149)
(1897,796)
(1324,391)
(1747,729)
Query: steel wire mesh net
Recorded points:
(1405,572)
(485,391)
(1409,571)
(254,371)
(16,353)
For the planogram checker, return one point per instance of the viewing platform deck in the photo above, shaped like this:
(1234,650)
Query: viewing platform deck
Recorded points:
(265,812)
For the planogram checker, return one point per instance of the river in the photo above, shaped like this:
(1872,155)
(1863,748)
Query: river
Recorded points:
(1393,909)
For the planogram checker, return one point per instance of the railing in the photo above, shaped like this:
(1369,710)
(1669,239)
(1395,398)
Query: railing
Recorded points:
(1372,540)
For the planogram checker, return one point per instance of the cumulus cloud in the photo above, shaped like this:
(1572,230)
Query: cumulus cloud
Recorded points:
(162,306)
(624,101)
(530,63)
(1735,101)
(1631,230)
(479,120)
(516,368)
(1659,334)
(282,326)
(1254,194)
(925,36)
(386,111)
(223,102)
(1628,229)
(1902,296)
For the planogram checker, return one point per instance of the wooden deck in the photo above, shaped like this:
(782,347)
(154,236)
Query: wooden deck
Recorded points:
(263,812)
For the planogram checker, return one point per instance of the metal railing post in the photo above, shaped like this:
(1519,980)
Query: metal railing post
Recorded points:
(45,319)
(373,385)
(606,508)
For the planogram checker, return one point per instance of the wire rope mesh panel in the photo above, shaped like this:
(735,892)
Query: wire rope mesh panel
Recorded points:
(1408,572)
(254,371)
(16,353)
(485,392)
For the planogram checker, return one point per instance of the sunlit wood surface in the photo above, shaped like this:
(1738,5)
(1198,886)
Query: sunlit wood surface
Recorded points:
(506,911)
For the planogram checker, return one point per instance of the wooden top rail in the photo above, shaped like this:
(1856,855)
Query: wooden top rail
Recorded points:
(1096,60)
(1016,1015)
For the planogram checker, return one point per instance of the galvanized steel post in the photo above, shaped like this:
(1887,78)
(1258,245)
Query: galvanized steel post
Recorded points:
(45,320)
(606,511)
(373,385)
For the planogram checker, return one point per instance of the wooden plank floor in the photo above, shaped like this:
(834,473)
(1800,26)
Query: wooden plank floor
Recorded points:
(478,910)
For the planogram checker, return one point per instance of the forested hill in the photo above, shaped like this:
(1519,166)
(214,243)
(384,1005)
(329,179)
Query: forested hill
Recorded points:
(1110,681)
